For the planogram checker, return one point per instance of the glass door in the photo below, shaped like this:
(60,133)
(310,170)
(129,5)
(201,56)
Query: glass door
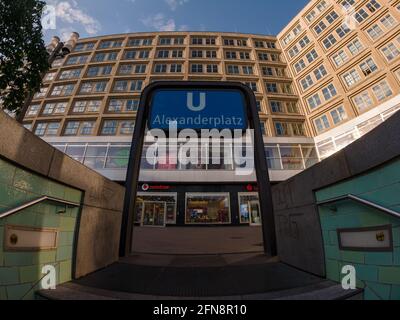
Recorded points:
(154,214)
(249,206)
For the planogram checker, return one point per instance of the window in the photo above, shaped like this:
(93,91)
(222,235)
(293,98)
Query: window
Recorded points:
(244,56)
(163,54)
(70,74)
(175,68)
(177,53)
(93,87)
(211,54)
(321,26)
(144,54)
(361,15)
(340,58)
(233,69)
(55,108)
(351,77)
(382,90)
(123,85)
(322,123)
(331,17)
(140,68)
(160,68)
(368,66)
(207,208)
(197,41)
(252,86)
(121,127)
(267,71)
(355,47)
(271,87)
(247,70)
(329,92)
(314,101)
(197,68)
(84,46)
(363,101)
(99,71)
(50,76)
(390,51)
(42,93)
(33,110)
(197,54)
(261,56)
(83,128)
(343,30)
(130,55)
(299,65)
(338,115)
(47,129)
(101,57)
(373,5)
(329,41)
(63,90)
(165,41)
(388,21)
(212,68)
(77,60)
(375,32)
(320,72)
(292,107)
(86,106)
(311,56)
(307,82)
(276,106)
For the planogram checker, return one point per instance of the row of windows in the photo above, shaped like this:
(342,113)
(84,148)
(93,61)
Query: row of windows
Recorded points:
(85,128)
(118,105)
(166,41)
(126,127)
(95,87)
(164,54)
(114,105)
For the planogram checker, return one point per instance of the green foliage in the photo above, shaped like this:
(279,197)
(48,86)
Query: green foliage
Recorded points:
(23,55)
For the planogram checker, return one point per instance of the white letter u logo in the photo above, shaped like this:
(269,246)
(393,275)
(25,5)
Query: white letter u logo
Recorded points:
(190,103)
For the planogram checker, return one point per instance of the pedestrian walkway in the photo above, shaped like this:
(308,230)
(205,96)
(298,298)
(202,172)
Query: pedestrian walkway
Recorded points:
(197,240)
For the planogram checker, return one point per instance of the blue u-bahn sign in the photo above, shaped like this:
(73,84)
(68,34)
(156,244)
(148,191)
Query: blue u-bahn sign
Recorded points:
(198,109)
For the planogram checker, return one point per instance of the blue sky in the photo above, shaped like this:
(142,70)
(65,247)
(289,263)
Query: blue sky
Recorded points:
(100,17)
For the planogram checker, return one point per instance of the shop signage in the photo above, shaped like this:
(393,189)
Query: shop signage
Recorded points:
(146,187)
(198,109)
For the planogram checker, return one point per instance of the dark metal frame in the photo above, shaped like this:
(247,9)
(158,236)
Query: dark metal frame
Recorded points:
(132,179)
(366,249)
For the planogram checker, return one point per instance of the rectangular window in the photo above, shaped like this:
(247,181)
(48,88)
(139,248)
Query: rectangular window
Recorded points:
(382,90)
(340,58)
(368,66)
(363,101)
(322,123)
(207,208)
(390,51)
(338,115)
(314,101)
(351,77)
(329,92)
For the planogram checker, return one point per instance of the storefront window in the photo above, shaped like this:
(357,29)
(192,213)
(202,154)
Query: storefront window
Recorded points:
(249,208)
(291,158)
(203,208)
(155,210)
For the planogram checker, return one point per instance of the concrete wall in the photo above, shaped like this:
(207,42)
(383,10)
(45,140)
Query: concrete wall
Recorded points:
(378,273)
(298,227)
(101,212)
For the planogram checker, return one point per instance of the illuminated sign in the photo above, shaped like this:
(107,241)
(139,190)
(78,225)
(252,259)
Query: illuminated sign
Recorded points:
(198,109)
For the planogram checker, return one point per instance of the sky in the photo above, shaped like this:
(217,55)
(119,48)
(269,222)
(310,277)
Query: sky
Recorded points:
(101,17)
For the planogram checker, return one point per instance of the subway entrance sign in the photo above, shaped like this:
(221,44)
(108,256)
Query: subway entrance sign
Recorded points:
(198,109)
(198,105)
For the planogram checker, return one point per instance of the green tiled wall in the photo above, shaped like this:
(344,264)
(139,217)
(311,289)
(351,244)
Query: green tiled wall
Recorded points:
(20,271)
(378,273)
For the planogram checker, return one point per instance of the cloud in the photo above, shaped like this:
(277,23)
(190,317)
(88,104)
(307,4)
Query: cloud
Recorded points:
(159,22)
(69,12)
(174,4)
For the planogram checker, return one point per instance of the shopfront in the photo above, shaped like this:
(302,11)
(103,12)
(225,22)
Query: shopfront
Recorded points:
(197,205)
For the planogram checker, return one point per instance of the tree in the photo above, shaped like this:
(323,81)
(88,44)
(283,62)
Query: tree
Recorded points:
(23,55)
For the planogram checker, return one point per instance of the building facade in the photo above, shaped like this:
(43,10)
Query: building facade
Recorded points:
(332,75)
(344,58)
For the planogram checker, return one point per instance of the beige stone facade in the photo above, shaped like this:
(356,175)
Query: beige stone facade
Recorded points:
(344,57)
(95,90)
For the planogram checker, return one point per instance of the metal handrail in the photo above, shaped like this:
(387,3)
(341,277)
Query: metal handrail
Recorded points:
(36,201)
(362,201)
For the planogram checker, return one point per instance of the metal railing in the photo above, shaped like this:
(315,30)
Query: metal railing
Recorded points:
(362,201)
(37,201)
